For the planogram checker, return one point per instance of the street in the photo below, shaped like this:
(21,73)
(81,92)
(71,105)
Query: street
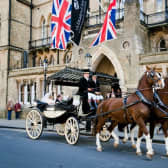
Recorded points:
(52,151)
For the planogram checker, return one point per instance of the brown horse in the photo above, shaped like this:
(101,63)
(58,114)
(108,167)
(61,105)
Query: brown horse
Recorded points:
(138,112)
(160,116)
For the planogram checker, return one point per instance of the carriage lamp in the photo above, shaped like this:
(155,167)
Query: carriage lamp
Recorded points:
(45,65)
(88,59)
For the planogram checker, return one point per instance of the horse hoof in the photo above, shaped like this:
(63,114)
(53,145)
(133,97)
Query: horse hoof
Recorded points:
(153,152)
(133,146)
(149,156)
(139,153)
(99,149)
(115,145)
(124,141)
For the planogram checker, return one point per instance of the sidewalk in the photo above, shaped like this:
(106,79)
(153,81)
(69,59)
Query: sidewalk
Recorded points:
(20,124)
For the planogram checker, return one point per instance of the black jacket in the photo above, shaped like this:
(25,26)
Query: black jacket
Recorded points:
(83,87)
(95,86)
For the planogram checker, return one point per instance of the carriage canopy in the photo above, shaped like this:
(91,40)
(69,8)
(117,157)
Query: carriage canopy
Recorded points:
(71,76)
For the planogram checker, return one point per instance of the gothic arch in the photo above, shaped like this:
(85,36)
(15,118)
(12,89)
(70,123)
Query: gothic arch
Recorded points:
(105,51)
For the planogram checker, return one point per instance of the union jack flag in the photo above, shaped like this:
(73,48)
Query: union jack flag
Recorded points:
(107,31)
(60,23)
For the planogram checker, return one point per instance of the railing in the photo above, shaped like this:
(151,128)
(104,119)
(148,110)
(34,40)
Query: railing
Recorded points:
(154,19)
(99,19)
(40,43)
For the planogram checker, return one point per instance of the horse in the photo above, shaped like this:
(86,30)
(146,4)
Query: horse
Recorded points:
(160,116)
(134,110)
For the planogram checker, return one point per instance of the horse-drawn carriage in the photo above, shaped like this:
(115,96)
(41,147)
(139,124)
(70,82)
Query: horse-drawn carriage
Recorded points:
(67,118)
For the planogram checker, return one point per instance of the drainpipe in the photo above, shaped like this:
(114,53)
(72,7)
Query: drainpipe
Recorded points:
(9,34)
(9,41)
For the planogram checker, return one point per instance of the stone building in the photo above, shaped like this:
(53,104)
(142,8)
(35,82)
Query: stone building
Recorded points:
(25,43)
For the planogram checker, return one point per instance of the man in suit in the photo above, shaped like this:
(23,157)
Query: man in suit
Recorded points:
(83,91)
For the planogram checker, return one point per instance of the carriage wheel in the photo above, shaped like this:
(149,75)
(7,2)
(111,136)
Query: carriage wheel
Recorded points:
(60,129)
(34,124)
(105,134)
(71,130)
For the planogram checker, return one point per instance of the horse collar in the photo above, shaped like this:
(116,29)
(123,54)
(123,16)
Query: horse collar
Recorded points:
(143,99)
(158,100)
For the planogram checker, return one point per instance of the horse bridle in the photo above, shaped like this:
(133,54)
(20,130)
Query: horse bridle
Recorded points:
(151,74)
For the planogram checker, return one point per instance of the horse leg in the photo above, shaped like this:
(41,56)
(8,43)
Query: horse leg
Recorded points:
(125,139)
(116,138)
(165,128)
(142,127)
(138,144)
(100,123)
(132,129)
(151,129)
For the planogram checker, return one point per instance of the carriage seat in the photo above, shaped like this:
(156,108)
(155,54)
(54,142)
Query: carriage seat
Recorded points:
(52,111)
(76,100)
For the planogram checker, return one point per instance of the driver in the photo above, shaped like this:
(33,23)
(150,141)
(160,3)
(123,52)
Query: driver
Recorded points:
(83,90)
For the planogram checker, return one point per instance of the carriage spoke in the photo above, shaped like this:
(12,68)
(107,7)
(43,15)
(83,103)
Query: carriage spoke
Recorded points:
(34,124)
(71,130)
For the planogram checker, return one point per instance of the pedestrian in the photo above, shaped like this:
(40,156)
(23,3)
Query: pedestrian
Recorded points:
(17,109)
(9,107)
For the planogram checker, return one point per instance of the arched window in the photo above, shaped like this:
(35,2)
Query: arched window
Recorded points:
(43,31)
(49,26)
(67,57)
(162,45)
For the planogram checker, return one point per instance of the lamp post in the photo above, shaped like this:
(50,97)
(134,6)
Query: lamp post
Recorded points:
(89,60)
(45,64)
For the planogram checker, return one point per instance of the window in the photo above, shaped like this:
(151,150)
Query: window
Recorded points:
(43,31)
(162,46)
(159,5)
(67,58)
(22,93)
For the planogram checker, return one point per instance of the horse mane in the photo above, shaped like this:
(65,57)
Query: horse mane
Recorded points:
(141,80)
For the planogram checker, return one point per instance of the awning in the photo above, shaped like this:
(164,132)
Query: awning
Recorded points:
(71,76)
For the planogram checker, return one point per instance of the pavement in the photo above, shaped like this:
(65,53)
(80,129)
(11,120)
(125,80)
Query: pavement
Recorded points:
(20,124)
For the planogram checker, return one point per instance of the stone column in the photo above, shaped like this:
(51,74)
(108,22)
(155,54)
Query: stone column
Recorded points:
(58,89)
(50,87)
(25,94)
(19,96)
(38,89)
(32,92)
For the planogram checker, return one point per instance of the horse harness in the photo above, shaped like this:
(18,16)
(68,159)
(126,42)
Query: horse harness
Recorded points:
(160,105)
(142,99)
